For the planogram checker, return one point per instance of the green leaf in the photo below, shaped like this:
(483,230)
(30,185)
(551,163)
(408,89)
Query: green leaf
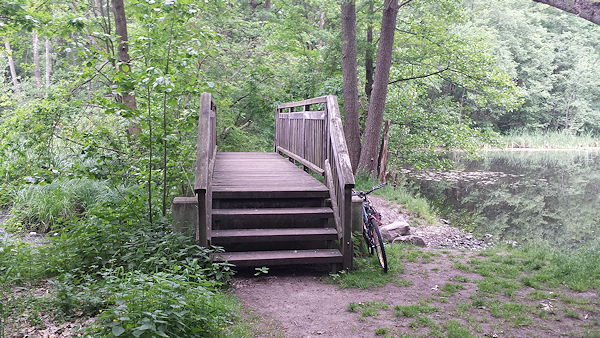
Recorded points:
(117,330)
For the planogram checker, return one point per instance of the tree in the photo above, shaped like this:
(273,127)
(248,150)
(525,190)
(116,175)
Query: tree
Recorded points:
(123,58)
(11,64)
(368,155)
(36,60)
(350,87)
(586,9)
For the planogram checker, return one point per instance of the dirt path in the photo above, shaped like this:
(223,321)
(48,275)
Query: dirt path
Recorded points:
(304,306)
(296,302)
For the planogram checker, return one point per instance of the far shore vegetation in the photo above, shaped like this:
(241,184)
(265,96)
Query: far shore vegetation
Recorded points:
(537,139)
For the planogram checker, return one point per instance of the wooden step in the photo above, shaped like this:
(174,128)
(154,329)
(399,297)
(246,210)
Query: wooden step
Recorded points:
(263,258)
(268,191)
(269,235)
(312,213)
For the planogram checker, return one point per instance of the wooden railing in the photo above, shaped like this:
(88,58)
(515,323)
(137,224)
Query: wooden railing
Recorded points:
(316,140)
(205,162)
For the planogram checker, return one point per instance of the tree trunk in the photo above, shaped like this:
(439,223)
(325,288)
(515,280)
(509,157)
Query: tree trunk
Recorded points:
(123,58)
(11,65)
(369,69)
(368,156)
(350,86)
(587,9)
(36,61)
(48,68)
(384,153)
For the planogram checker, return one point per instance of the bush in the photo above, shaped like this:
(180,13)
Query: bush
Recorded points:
(179,303)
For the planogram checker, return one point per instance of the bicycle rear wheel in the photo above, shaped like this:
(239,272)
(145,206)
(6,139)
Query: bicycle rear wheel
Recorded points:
(379,248)
(368,237)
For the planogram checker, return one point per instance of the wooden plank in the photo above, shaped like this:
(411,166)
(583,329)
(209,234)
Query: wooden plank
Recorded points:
(204,147)
(307,115)
(229,194)
(310,165)
(334,205)
(319,212)
(269,235)
(263,258)
(262,175)
(321,99)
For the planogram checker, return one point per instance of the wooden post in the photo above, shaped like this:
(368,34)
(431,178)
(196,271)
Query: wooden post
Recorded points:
(384,154)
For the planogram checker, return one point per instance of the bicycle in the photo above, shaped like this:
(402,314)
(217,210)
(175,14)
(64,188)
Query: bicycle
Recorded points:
(371,223)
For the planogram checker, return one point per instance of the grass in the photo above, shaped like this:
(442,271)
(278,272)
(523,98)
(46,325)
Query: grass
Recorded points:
(554,140)
(502,297)
(40,208)
(412,204)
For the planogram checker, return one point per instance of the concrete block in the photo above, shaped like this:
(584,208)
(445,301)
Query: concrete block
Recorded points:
(357,214)
(185,215)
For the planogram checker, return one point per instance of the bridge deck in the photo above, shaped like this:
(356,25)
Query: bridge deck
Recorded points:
(270,175)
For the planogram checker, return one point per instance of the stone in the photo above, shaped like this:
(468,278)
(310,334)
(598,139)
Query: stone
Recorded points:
(411,239)
(391,231)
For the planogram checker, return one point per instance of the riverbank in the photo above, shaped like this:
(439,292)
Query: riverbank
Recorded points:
(547,140)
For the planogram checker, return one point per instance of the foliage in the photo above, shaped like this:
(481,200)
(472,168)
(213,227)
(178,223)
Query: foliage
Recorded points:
(551,56)
(178,303)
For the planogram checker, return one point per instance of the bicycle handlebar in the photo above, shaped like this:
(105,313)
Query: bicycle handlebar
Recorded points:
(364,193)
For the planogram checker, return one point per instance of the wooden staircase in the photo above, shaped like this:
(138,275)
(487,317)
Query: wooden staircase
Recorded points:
(263,208)
(267,211)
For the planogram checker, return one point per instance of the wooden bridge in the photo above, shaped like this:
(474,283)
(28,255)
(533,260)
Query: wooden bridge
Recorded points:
(292,206)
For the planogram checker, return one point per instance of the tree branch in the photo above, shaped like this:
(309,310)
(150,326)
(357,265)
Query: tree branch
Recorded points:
(420,76)
(83,145)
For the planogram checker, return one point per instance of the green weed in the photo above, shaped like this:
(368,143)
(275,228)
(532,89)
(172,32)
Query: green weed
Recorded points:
(455,330)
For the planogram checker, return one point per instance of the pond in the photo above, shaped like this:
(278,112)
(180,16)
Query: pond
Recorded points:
(520,196)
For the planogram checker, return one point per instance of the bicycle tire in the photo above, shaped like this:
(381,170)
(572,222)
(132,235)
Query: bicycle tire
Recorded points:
(368,240)
(379,248)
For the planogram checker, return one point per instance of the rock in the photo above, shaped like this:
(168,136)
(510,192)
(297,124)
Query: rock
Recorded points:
(391,231)
(411,239)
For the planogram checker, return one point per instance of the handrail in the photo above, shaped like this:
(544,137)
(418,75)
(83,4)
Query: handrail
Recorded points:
(316,140)
(206,152)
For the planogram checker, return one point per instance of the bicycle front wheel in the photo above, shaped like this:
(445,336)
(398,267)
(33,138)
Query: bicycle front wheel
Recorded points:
(379,248)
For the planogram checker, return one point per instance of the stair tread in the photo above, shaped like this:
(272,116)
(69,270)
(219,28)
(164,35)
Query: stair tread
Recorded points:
(266,235)
(324,211)
(250,258)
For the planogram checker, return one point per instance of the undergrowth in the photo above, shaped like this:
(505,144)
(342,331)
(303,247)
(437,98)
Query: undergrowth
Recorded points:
(411,203)
(138,279)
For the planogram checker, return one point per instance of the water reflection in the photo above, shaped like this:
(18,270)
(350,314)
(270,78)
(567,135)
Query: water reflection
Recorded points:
(551,196)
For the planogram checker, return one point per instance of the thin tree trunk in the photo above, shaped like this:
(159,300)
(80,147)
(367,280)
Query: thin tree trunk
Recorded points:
(11,65)
(321,26)
(368,156)
(350,85)
(384,153)
(369,69)
(48,67)
(36,61)
(268,5)
(123,58)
